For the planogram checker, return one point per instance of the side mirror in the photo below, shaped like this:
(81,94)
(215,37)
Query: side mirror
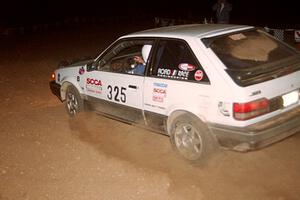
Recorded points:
(91,66)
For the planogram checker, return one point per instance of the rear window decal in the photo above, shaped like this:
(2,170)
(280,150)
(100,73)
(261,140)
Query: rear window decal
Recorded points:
(186,67)
(173,73)
(198,75)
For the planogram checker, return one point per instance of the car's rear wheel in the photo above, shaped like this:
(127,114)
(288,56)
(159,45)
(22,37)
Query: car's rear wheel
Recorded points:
(191,138)
(73,102)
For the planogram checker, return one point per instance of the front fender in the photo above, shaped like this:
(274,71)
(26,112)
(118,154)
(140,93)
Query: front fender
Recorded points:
(67,82)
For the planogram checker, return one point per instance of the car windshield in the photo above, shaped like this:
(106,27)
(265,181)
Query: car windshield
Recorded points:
(253,56)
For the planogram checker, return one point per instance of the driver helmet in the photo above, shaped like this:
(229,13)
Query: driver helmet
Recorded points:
(145,52)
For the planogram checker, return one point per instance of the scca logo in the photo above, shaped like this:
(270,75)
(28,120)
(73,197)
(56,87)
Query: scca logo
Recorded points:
(160,91)
(92,81)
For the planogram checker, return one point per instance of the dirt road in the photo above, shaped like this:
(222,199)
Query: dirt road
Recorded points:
(45,155)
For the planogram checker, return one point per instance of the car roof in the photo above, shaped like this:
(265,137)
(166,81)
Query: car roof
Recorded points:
(189,30)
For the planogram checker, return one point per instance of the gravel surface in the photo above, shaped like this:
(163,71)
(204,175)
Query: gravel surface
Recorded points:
(45,155)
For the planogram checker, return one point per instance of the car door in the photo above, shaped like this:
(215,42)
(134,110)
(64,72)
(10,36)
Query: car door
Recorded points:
(114,87)
(176,81)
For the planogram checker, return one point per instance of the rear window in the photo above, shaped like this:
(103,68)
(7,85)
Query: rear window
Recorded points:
(175,60)
(250,53)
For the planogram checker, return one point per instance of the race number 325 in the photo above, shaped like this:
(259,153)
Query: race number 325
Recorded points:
(116,93)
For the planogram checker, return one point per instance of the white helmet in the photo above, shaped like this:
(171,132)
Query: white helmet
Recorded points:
(146,51)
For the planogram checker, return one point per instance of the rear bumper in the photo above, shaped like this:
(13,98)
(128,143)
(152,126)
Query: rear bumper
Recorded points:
(258,135)
(55,89)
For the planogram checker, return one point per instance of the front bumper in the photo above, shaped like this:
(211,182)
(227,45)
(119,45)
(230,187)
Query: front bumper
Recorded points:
(260,134)
(55,89)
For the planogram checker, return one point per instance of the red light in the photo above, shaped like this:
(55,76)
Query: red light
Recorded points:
(243,111)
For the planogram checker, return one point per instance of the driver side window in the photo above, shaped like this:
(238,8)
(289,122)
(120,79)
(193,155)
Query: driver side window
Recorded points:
(125,57)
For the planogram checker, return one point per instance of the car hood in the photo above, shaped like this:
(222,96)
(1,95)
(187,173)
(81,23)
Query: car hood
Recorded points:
(75,63)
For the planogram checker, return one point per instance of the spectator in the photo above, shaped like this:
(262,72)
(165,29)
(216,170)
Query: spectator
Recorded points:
(222,9)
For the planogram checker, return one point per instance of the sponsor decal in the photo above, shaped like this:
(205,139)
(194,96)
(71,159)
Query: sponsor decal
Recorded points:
(94,91)
(154,106)
(198,75)
(186,67)
(164,72)
(81,71)
(94,85)
(173,73)
(158,98)
(159,92)
(91,81)
(164,85)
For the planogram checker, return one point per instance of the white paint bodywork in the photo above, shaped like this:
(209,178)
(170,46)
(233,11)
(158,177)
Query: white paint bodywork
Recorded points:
(202,100)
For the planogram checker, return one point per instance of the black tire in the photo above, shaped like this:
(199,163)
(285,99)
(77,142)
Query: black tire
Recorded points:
(191,138)
(73,101)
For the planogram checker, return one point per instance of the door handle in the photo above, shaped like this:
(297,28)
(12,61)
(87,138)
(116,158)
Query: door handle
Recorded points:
(132,86)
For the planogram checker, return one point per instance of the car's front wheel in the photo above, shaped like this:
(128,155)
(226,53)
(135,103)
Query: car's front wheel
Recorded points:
(191,138)
(73,102)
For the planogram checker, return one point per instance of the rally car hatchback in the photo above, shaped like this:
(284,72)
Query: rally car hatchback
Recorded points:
(201,84)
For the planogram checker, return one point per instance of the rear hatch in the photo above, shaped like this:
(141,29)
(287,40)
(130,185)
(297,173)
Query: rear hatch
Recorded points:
(253,56)
(258,62)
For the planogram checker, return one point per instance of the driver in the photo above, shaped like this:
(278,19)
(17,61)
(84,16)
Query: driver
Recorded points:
(141,61)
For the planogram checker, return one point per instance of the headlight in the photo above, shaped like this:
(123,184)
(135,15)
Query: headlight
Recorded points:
(53,76)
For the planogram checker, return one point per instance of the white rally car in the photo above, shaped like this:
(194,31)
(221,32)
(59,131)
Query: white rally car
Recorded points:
(201,84)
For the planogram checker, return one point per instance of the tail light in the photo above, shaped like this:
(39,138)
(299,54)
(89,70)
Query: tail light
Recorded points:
(249,110)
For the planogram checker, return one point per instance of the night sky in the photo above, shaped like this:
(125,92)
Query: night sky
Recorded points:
(255,12)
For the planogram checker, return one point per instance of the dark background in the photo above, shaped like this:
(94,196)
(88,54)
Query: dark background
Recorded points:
(281,14)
